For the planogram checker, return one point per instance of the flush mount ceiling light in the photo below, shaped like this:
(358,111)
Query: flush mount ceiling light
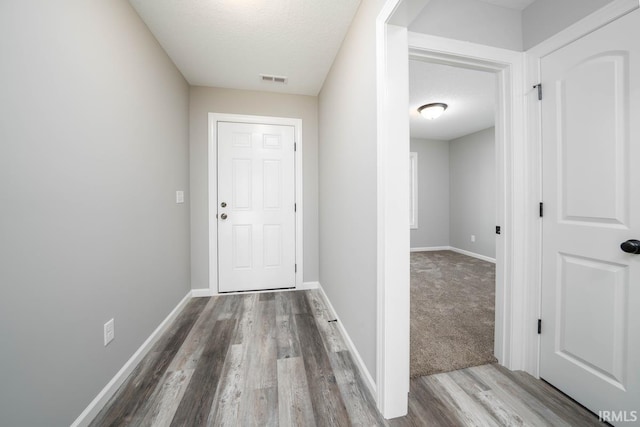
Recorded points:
(432,111)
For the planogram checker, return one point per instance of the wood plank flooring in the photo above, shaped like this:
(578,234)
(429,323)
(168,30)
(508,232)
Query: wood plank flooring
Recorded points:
(490,395)
(264,359)
(274,359)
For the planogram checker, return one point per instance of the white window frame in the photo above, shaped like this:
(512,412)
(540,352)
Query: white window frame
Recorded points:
(413,190)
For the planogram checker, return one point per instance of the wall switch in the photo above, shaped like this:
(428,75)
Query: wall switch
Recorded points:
(179,196)
(109,332)
(473,238)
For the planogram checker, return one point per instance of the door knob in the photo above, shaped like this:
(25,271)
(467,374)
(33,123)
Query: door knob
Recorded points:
(631,246)
(223,216)
(223,204)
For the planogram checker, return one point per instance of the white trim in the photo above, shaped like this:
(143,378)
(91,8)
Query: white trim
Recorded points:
(510,160)
(454,249)
(214,118)
(310,285)
(512,249)
(431,249)
(473,254)
(413,194)
(533,274)
(96,405)
(393,240)
(366,375)
(201,293)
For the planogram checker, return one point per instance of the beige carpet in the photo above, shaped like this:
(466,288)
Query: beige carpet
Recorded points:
(452,312)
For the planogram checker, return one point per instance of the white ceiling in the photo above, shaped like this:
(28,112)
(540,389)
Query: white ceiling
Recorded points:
(511,4)
(229,43)
(470,94)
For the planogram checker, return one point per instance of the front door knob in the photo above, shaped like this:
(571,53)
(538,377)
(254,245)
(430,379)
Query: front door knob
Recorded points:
(631,246)
(223,216)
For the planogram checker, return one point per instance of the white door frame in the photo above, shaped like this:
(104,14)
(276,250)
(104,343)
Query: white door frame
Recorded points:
(214,118)
(519,344)
(507,66)
(515,332)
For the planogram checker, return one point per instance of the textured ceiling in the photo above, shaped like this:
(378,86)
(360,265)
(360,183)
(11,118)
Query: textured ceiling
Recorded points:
(470,94)
(511,4)
(229,43)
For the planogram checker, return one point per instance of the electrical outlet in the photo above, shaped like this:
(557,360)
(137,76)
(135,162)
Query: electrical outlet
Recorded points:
(179,196)
(473,238)
(109,332)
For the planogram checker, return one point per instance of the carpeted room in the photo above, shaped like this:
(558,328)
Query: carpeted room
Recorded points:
(453,219)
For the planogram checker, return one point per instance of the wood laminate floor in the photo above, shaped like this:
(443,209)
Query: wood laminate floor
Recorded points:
(490,395)
(275,359)
(264,359)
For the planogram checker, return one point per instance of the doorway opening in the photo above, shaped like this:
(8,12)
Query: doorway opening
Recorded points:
(513,345)
(453,239)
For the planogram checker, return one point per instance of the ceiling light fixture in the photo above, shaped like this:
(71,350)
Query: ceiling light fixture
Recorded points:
(432,111)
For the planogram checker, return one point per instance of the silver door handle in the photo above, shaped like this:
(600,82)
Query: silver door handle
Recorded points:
(223,216)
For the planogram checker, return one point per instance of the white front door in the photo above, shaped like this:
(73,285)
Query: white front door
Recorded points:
(256,207)
(590,342)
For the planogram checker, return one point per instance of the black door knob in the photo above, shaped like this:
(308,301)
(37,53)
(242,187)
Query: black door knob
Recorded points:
(631,246)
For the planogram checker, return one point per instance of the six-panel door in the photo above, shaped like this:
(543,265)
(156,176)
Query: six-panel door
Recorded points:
(256,199)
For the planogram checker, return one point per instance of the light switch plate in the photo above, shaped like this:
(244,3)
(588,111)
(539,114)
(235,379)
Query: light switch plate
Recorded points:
(179,196)
(109,332)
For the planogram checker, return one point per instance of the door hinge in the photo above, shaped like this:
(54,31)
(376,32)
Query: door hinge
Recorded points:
(295,268)
(539,87)
(539,326)
(295,207)
(295,146)
(541,209)
(498,230)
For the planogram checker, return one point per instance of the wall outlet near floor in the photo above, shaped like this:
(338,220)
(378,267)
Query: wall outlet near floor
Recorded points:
(179,196)
(109,332)
(473,238)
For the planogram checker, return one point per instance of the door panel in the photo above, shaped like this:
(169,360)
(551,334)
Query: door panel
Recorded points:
(590,169)
(256,181)
(604,301)
(590,343)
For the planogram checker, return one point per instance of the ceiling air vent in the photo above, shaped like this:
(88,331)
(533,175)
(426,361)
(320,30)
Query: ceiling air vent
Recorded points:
(274,79)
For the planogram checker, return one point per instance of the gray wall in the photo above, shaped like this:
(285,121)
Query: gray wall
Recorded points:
(472,183)
(544,18)
(471,20)
(93,145)
(205,100)
(433,193)
(483,23)
(348,176)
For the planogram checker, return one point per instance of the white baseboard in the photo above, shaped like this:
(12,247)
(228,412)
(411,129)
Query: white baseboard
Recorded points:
(451,248)
(431,249)
(96,405)
(200,293)
(473,254)
(368,379)
(109,390)
(309,285)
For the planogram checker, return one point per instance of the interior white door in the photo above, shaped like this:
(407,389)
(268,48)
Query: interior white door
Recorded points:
(256,207)
(590,342)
